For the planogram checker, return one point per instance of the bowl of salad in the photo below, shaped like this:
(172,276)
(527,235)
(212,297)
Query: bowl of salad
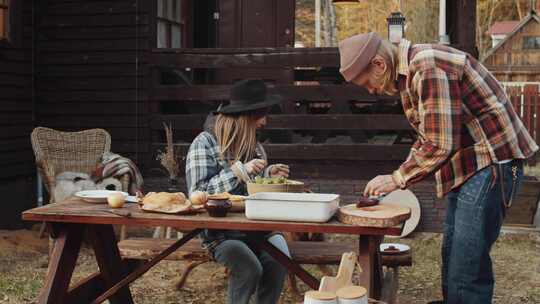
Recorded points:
(274,184)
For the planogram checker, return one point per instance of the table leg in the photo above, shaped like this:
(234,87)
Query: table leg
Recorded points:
(86,289)
(143,268)
(291,265)
(110,263)
(62,262)
(370,260)
(90,287)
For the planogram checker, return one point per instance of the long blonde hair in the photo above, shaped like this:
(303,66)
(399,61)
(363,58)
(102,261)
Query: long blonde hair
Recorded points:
(236,136)
(389,53)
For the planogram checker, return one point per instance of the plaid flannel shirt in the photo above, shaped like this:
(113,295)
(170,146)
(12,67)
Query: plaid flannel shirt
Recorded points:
(461,114)
(206,171)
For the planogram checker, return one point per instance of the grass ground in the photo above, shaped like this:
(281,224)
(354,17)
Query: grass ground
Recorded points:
(23,264)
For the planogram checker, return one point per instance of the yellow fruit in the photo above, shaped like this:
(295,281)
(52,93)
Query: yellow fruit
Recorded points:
(116,200)
(198,198)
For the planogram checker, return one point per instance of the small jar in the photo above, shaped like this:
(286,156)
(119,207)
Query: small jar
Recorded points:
(217,208)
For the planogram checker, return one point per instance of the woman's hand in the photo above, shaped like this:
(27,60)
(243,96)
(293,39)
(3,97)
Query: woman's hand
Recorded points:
(379,185)
(278,170)
(255,166)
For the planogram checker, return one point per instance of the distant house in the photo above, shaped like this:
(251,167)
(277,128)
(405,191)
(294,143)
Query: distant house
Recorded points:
(500,29)
(516,58)
(515,62)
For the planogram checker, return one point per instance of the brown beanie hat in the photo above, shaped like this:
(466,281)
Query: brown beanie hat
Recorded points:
(356,52)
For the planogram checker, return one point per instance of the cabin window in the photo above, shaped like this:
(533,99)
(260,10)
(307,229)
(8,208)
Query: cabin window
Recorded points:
(531,42)
(4,19)
(170,24)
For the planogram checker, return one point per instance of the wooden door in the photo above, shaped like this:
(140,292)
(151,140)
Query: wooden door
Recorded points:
(255,23)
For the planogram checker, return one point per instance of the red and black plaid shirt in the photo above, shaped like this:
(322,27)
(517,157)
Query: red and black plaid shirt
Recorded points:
(461,113)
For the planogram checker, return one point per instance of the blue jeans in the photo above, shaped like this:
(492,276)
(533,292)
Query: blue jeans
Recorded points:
(473,222)
(252,272)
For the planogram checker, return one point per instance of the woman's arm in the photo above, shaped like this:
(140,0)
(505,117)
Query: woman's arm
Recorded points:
(273,170)
(203,171)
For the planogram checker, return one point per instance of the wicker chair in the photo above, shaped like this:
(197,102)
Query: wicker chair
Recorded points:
(58,151)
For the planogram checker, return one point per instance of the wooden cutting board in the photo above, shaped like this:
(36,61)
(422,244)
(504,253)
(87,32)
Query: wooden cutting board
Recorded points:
(386,215)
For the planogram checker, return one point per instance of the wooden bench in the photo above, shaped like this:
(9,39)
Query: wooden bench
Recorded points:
(303,252)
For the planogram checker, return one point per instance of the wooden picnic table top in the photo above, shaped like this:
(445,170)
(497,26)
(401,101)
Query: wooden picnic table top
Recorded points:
(78,211)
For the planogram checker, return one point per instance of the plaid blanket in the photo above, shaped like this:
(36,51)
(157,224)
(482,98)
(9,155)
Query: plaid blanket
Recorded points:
(115,165)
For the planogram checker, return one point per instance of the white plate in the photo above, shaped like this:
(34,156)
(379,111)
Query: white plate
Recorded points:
(97,196)
(407,199)
(402,248)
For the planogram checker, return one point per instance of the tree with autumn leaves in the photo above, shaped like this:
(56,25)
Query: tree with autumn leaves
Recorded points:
(344,19)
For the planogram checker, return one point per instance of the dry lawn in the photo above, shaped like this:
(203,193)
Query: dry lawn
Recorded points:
(23,263)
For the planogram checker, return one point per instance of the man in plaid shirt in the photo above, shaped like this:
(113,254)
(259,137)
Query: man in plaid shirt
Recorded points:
(469,136)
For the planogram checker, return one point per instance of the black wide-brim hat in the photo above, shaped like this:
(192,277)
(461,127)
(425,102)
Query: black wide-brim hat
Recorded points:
(248,95)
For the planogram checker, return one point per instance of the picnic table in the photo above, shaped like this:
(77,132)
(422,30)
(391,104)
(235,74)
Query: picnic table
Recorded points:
(69,220)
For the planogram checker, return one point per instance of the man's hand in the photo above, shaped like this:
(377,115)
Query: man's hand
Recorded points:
(278,170)
(255,166)
(379,185)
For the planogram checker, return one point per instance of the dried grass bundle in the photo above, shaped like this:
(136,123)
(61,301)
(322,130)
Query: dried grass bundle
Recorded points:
(169,159)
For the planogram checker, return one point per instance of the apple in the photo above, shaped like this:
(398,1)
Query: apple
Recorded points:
(116,200)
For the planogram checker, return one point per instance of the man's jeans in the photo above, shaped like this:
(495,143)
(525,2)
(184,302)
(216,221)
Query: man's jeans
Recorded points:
(473,221)
(252,272)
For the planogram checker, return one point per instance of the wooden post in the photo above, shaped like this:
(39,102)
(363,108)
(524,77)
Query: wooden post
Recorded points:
(537,110)
(317,23)
(461,25)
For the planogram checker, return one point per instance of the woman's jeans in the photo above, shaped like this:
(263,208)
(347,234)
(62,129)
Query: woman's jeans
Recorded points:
(473,221)
(251,271)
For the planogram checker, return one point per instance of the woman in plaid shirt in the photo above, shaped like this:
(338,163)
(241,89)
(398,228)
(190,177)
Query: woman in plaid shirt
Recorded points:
(469,136)
(222,159)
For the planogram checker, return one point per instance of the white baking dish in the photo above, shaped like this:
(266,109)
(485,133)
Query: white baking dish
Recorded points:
(297,207)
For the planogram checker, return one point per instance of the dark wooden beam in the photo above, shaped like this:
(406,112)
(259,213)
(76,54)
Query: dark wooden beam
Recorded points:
(299,122)
(324,151)
(461,25)
(246,57)
(287,92)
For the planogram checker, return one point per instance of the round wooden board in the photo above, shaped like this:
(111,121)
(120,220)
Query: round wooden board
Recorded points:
(386,215)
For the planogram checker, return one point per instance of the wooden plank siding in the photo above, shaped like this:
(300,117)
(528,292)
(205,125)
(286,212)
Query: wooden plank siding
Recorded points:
(96,68)
(16,104)
(305,158)
(17,170)
(325,92)
(299,122)
(91,69)
(245,57)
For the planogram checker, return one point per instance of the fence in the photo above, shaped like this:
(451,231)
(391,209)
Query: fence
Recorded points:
(525,97)
(324,128)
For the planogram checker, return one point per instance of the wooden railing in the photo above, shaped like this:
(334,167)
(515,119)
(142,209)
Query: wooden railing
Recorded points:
(341,108)
(525,97)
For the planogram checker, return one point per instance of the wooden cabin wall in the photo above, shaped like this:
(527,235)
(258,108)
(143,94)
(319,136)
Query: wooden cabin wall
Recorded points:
(255,23)
(89,59)
(16,117)
(511,62)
